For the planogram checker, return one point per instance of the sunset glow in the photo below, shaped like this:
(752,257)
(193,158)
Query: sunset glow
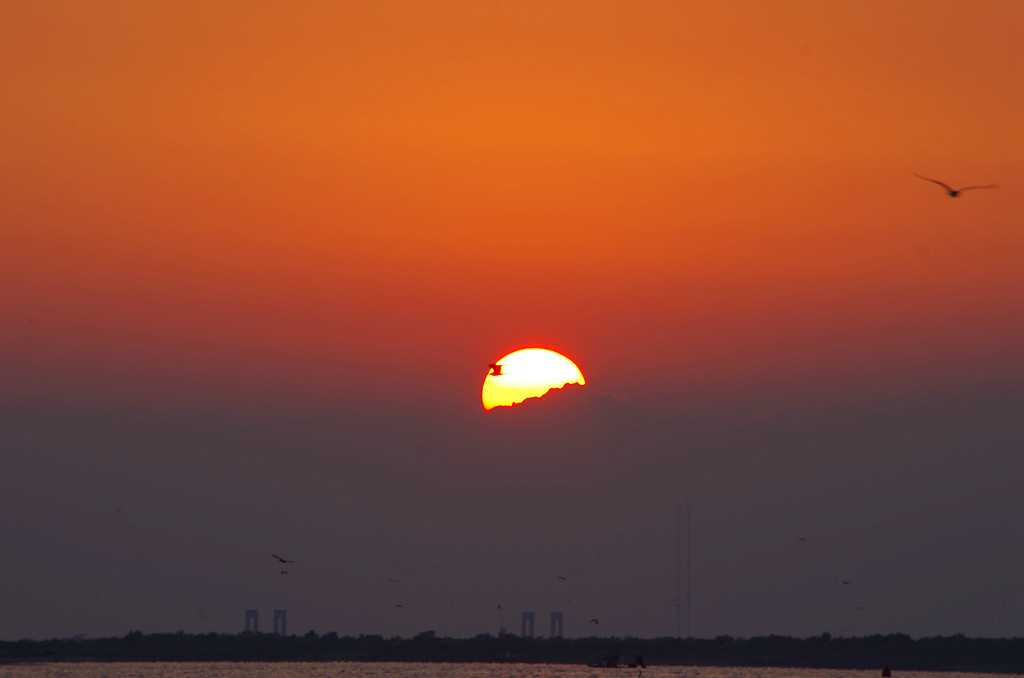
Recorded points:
(255,258)
(528,373)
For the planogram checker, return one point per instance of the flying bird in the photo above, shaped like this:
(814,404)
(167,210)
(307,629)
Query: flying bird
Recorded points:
(283,560)
(284,571)
(495,369)
(953,192)
(561,577)
(595,622)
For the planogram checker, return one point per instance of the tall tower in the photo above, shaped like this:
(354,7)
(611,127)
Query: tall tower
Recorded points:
(252,621)
(557,625)
(679,633)
(281,622)
(527,627)
(688,633)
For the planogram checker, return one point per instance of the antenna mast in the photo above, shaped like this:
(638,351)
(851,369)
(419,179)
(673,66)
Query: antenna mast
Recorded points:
(678,633)
(688,634)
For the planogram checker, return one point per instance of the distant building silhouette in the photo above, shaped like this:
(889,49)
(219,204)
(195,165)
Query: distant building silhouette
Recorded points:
(252,621)
(527,627)
(557,625)
(281,622)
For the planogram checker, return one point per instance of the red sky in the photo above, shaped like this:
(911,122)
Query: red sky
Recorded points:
(355,207)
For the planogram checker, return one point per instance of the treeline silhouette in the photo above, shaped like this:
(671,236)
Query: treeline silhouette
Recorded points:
(898,651)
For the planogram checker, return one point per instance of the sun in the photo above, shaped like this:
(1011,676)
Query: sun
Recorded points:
(527,373)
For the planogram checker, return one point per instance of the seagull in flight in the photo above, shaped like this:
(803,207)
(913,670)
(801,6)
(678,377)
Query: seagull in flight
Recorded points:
(495,369)
(595,622)
(283,560)
(561,577)
(953,192)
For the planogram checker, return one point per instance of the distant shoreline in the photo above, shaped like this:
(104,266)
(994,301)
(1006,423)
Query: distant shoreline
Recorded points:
(898,651)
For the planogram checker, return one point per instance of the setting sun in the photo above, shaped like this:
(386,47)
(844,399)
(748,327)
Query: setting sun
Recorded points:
(527,373)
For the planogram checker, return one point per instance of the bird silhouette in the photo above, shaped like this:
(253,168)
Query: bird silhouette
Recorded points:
(953,192)
(283,560)
(495,369)
(284,571)
(595,622)
(561,577)
(399,605)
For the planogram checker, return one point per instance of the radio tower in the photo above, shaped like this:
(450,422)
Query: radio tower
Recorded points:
(688,634)
(678,632)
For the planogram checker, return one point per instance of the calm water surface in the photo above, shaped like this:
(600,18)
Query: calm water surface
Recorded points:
(414,670)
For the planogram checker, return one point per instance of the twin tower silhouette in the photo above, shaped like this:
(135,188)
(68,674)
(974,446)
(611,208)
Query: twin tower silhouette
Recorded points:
(252,621)
(557,625)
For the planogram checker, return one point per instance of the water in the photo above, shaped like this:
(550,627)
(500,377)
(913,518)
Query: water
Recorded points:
(420,670)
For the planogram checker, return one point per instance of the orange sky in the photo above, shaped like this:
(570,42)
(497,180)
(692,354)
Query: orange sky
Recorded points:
(417,188)
(302,230)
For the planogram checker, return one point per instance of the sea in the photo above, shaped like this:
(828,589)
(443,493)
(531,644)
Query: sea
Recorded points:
(421,670)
